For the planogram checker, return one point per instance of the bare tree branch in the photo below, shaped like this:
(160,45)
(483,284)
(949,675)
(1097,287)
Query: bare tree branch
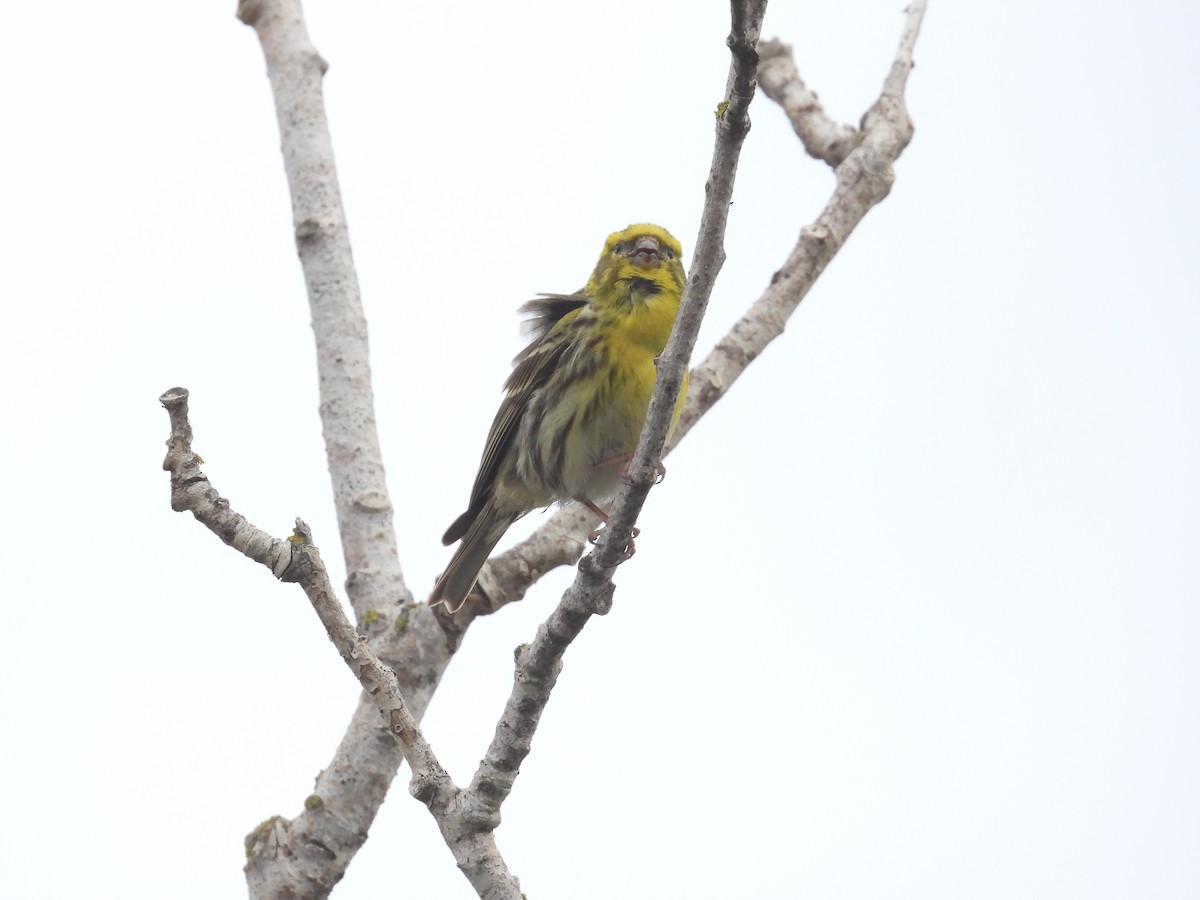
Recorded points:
(863,182)
(864,179)
(538,663)
(823,138)
(733,124)
(347,405)
(467,827)
(507,576)
(305,857)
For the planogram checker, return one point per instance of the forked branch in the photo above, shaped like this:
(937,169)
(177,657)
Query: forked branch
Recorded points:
(422,643)
(468,832)
(862,161)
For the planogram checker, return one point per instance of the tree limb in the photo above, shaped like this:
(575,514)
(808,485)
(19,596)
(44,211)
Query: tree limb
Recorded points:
(538,663)
(467,829)
(347,406)
(305,857)
(823,138)
(864,178)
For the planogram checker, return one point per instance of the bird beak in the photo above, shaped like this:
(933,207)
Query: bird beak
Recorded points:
(647,253)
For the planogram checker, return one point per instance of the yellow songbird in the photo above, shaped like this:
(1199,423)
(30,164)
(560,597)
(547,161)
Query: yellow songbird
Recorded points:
(576,400)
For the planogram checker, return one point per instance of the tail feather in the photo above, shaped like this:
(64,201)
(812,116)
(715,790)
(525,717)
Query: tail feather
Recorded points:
(477,544)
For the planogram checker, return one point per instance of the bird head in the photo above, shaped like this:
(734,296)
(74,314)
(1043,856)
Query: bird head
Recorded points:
(643,259)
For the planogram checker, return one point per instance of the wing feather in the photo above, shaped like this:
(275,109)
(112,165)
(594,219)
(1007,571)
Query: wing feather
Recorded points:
(532,368)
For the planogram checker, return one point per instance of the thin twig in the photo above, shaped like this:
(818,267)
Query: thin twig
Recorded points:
(864,179)
(467,831)
(823,137)
(886,132)
(539,662)
(733,124)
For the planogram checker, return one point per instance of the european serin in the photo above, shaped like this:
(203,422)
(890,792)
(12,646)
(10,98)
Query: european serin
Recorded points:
(576,400)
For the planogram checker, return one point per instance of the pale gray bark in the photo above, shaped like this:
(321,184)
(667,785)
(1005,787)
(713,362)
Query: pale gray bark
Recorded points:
(539,662)
(863,167)
(864,179)
(466,823)
(401,665)
(305,856)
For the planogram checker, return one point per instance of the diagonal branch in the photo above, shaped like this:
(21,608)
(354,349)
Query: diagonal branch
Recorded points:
(305,857)
(506,577)
(864,173)
(733,124)
(347,405)
(823,137)
(539,662)
(468,833)
(864,179)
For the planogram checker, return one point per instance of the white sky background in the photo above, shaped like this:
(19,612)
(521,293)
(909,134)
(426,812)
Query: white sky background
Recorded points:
(916,611)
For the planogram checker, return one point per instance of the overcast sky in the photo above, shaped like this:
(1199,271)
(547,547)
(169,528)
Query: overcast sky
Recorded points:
(916,611)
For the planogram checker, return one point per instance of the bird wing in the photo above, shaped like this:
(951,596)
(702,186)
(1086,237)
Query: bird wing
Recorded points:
(543,313)
(532,368)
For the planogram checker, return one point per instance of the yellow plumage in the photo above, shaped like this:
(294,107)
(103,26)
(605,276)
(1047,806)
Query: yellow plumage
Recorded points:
(577,397)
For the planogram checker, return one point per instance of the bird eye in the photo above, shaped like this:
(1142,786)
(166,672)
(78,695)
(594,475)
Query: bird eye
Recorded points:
(618,247)
(670,253)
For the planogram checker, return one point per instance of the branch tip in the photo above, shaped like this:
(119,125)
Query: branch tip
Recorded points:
(173,396)
(249,11)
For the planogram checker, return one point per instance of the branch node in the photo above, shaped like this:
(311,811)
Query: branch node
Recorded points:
(423,789)
(307,230)
(373,501)
(297,568)
(173,396)
(248,11)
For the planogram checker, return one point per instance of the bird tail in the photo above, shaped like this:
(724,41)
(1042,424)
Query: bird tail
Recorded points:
(478,542)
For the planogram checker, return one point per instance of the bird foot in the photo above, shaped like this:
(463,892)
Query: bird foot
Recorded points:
(659,469)
(629,549)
